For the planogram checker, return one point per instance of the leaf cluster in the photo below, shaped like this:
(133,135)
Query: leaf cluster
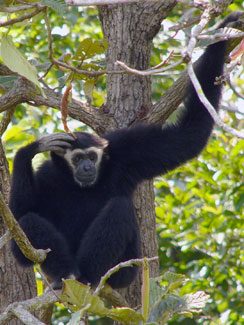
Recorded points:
(200,212)
(164,302)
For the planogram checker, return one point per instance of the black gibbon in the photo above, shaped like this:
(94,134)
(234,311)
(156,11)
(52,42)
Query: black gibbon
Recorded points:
(79,203)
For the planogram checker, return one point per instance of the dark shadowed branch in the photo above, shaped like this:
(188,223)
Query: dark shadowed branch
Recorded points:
(23,309)
(35,255)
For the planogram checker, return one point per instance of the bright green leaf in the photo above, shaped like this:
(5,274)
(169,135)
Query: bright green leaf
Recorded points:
(16,62)
(88,89)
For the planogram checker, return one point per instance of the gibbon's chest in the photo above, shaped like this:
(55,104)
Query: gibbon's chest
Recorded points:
(74,206)
(64,202)
(72,211)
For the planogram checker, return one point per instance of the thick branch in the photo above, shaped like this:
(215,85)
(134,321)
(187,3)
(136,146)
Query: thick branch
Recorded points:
(27,318)
(35,255)
(30,305)
(5,71)
(24,91)
(7,117)
(102,2)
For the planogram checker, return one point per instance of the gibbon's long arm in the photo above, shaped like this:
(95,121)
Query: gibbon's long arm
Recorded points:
(23,195)
(146,151)
(115,229)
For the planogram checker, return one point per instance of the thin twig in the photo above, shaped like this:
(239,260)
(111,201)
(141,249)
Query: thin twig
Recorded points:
(205,18)
(130,263)
(22,18)
(165,61)
(86,72)
(49,36)
(17,9)
(234,89)
(208,105)
(67,66)
(48,284)
(150,71)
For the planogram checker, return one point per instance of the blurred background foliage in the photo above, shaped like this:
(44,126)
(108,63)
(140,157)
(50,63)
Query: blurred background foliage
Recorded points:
(199,207)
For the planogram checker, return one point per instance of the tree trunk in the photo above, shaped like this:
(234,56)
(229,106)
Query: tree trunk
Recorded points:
(16,283)
(129,30)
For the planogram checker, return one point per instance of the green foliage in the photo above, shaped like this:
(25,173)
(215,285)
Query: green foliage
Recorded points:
(31,40)
(57,5)
(80,299)
(88,48)
(199,206)
(16,62)
(200,226)
(163,297)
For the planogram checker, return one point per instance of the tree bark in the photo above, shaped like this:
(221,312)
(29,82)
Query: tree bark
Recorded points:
(129,30)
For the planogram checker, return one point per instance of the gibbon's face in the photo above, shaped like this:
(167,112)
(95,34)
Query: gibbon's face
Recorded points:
(85,164)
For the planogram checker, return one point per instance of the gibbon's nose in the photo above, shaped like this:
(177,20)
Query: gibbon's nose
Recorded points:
(87,167)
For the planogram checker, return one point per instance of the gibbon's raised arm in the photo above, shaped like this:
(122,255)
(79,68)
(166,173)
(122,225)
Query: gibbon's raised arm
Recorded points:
(150,150)
(23,196)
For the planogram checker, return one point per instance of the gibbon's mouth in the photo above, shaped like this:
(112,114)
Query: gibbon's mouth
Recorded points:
(85,180)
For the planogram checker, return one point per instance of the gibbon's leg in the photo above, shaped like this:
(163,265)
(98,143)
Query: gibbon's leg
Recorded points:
(42,234)
(113,237)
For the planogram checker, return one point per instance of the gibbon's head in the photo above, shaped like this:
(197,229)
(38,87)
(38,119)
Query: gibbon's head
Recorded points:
(85,157)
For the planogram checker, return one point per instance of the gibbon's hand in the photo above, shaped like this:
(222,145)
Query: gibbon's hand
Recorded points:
(234,20)
(57,142)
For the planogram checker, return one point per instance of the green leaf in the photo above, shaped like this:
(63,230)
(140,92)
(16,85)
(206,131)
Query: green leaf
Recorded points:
(145,289)
(57,5)
(88,89)
(175,280)
(88,48)
(239,202)
(125,314)
(79,296)
(17,137)
(195,302)
(16,62)
(76,317)
(186,305)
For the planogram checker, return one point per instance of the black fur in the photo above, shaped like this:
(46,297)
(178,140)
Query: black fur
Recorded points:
(91,229)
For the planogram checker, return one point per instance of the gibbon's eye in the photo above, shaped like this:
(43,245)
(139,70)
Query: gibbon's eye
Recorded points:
(76,158)
(92,156)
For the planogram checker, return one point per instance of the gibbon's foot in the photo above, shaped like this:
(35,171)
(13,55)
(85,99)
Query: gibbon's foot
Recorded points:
(58,284)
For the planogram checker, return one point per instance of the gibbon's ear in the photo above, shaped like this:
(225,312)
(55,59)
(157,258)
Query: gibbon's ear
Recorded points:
(104,143)
(99,142)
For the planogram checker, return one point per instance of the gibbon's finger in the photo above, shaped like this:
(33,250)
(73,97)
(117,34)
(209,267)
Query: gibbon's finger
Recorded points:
(58,136)
(55,140)
(60,143)
(57,146)
(57,149)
